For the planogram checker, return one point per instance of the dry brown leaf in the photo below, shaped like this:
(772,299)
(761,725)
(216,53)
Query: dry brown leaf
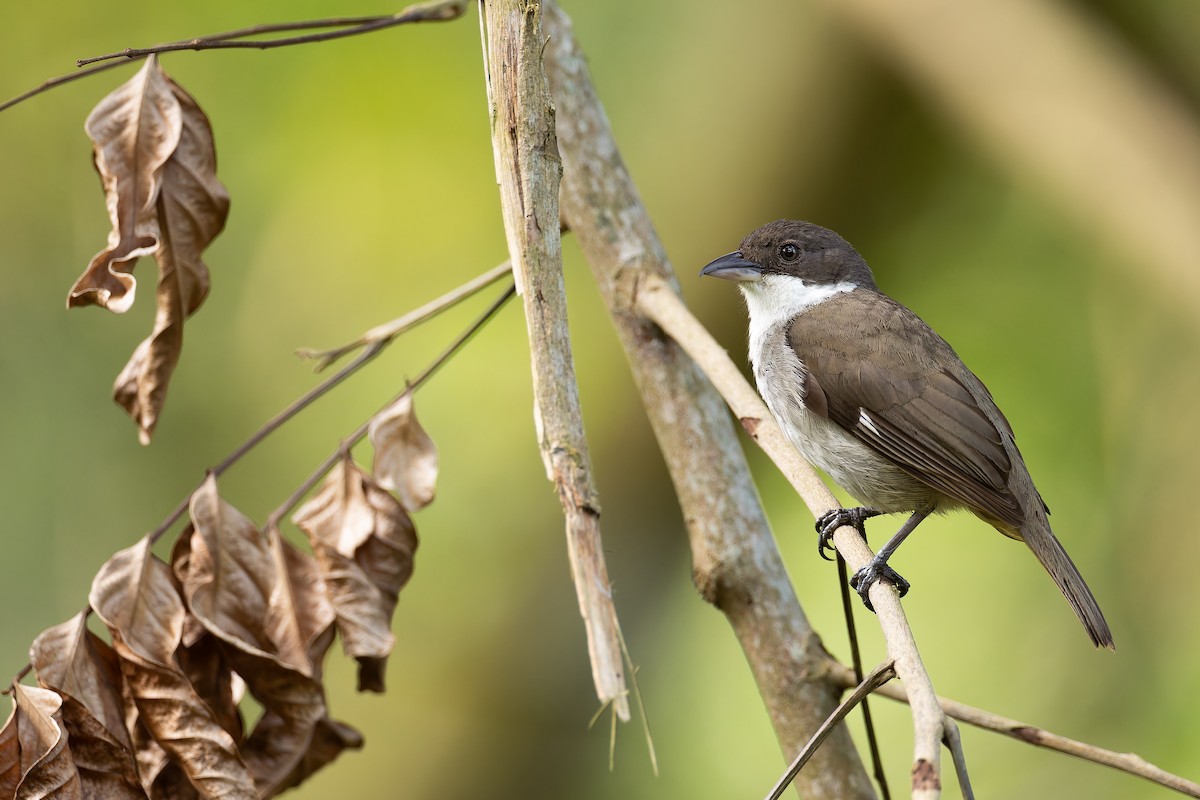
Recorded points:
(238,586)
(80,667)
(47,769)
(204,663)
(340,510)
(106,768)
(10,757)
(134,130)
(406,459)
(188,214)
(134,596)
(329,740)
(364,584)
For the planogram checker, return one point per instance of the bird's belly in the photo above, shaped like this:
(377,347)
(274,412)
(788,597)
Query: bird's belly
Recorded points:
(867,476)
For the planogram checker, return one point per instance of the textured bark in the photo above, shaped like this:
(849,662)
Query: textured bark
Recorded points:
(736,565)
(528,171)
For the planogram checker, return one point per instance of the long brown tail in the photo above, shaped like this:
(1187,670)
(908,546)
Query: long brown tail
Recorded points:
(1036,533)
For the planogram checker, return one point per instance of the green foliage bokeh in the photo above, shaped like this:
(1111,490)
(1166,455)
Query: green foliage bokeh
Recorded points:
(362,185)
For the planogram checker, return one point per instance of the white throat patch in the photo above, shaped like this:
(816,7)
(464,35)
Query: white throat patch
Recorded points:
(776,299)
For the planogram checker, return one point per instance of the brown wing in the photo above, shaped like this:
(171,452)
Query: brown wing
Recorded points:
(912,411)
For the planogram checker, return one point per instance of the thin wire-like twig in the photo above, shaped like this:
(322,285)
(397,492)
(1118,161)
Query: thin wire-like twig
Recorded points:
(1130,763)
(361,431)
(441,11)
(390,330)
(879,676)
(856,659)
(953,740)
(50,83)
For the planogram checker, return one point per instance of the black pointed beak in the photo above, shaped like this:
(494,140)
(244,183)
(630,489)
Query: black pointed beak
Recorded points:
(733,267)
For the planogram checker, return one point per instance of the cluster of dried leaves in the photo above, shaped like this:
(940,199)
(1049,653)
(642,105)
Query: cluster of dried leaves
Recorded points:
(238,610)
(153,147)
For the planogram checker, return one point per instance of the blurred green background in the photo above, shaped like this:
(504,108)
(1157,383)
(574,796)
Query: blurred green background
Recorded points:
(362,185)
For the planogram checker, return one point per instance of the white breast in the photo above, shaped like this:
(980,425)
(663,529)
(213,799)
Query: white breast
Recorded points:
(774,300)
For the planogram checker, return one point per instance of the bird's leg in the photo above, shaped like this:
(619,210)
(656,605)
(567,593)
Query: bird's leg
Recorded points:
(830,521)
(878,567)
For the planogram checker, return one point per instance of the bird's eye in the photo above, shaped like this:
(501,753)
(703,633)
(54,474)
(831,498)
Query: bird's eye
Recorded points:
(789,252)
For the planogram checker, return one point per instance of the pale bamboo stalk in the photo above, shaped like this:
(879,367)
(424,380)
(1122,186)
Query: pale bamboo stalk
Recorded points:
(528,171)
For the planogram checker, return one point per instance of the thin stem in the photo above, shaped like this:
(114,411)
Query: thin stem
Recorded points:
(350,26)
(428,12)
(267,429)
(53,82)
(374,347)
(856,659)
(389,330)
(361,431)
(953,740)
(1130,763)
(879,676)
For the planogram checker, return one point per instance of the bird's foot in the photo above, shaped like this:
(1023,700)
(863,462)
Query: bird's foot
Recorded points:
(830,521)
(876,570)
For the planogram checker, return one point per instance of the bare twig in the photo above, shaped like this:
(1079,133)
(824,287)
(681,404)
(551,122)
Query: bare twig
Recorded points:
(528,171)
(440,11)
(1130,763)
(350,26)
(879,676)
(375,345)
(390,330)
(735,564)
(856,663)
(953,741)
(358,433)
(657,300)
(51,83)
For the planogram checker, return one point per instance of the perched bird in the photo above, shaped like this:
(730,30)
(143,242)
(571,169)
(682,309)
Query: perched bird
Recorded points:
(868,392)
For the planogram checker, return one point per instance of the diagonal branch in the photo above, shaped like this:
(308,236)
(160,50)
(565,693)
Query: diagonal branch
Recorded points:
(879,676)
(528,171)
(658,301)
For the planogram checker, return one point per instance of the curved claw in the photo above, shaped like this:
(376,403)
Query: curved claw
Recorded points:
(830,521)
(876,570)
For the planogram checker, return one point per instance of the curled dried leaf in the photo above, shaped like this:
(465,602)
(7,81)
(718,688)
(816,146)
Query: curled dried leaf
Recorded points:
(134,596)
(406,459)
(47,769)
(188,214)
(79,666)
(134,130)
(364,584)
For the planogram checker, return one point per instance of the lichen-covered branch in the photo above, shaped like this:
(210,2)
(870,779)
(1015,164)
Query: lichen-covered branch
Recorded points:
(735,563)
(528,171)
